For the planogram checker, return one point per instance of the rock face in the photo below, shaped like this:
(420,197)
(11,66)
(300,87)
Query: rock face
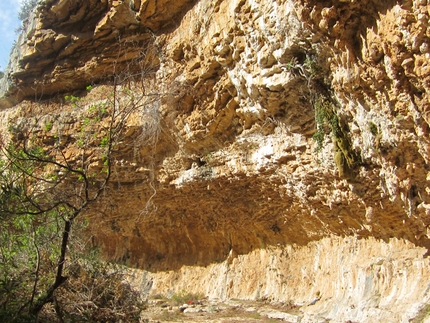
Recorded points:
(69,44)
(291,160)
(337,279)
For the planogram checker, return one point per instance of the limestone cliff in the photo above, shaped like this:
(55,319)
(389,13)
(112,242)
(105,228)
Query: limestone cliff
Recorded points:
(292,147)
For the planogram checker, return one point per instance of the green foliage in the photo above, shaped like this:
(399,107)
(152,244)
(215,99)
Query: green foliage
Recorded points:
(48,126)
(72,99)
(44,190)
(29,236)
(291,65)
(325,115)
(89,136)
(35,206)
(185,298)
(319,138)
(311,66)
(104,142)
(326,120)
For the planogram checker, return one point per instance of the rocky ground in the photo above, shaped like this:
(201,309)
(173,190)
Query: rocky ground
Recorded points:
(163,310)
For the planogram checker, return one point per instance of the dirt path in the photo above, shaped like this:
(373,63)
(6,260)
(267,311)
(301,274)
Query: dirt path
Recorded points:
(160,310)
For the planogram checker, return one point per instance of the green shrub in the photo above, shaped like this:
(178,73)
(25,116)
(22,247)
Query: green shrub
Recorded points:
(185,298)
(326,120)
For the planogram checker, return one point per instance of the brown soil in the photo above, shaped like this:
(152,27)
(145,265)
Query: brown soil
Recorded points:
(162,310)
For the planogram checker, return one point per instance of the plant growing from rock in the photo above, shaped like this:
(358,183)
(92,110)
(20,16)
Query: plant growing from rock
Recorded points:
(326,118)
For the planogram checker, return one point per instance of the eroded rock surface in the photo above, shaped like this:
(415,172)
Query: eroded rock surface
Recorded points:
(231,198)
(66,45)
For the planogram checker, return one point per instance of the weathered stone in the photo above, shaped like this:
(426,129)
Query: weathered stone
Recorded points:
(193,310)
(282,316)
(233,201)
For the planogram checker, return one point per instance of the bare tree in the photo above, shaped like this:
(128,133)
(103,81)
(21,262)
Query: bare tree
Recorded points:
(50,177)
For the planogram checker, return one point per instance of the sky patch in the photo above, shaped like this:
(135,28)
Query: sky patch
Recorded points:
(9,23)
